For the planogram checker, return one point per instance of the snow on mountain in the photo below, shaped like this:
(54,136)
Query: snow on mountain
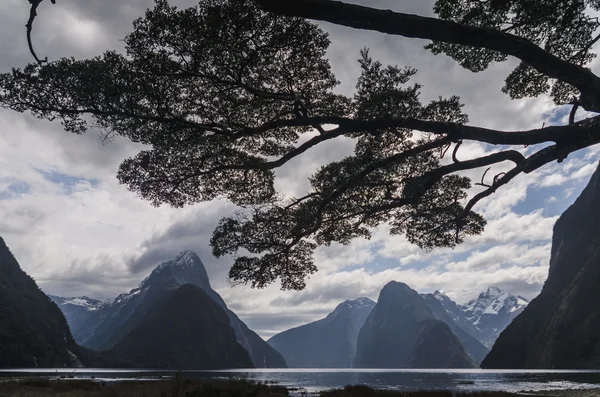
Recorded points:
(494,301)
(485,316)
(355,304)
(84,302)
(186,268)
(81,303)
(184,260)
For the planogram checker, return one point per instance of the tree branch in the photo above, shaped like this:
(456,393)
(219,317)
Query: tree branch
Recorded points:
(573,112)
(452,130)
(408,25)
(29,25)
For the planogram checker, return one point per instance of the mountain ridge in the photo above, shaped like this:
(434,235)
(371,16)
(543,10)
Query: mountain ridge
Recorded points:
(326,343)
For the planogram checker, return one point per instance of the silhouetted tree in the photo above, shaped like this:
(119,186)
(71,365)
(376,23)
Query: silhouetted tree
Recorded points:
(226,92)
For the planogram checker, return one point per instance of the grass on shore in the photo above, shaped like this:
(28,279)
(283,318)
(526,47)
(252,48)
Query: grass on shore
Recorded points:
(181,387)
(134,388)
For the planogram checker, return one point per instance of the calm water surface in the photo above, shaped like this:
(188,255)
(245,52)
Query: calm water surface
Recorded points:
(392,379)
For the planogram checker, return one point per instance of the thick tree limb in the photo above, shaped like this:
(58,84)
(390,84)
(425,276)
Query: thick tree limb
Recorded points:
(452,130)
(455,131)
(415,26)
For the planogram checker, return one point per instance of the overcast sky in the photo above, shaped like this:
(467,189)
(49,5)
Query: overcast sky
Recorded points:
(78,232)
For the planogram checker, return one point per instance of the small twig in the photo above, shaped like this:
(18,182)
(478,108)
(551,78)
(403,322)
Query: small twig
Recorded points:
(444,150)
(482,183)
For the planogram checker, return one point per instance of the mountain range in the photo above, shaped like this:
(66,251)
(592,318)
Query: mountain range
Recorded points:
(486,316)
(332,341)
(412,330)
(174,319)
(103,325)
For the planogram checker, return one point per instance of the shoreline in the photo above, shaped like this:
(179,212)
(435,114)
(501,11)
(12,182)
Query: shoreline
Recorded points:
(179,386)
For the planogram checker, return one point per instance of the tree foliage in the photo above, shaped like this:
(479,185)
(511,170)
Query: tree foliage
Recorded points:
(223,105)
(562,28)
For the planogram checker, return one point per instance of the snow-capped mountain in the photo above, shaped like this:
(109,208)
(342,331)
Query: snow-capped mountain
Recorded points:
(493,302)
(101,325)
(356,304)
(82,302)
(492,311)
(83,314)
(326,343)
(486,316)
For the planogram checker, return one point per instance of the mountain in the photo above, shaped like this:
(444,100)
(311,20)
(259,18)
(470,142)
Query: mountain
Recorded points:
(476,350)
(492,311)
(402,332)
(559,328)
(83,314)
(33,331)
(326,343)
(486,316)
(201,339)
(107,323)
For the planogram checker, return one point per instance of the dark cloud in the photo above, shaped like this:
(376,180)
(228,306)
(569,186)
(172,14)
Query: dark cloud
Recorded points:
(191,233)
(99,276)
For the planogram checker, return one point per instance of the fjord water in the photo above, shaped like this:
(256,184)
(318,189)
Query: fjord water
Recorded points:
(390,379)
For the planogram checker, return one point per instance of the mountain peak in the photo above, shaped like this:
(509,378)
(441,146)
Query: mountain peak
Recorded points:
(495,291)
(358,303)
(184,259)
(396,285)
(185,268)
(494,300)
(440,296)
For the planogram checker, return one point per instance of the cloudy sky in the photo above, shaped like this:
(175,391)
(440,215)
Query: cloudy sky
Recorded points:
(78,232)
